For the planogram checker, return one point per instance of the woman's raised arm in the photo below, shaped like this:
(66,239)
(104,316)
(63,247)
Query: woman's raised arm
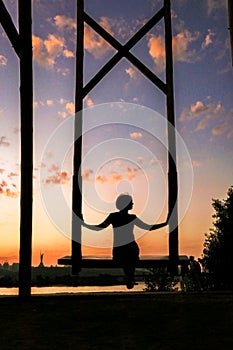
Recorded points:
(98,227)
(148,227)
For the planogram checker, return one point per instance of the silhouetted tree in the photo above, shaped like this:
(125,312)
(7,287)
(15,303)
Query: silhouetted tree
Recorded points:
(159,280)
(217,257)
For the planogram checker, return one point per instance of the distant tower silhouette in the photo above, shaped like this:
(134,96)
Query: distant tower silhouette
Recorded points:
(41,260)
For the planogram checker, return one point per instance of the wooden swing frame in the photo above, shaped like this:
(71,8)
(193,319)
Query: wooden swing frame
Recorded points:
(173,260)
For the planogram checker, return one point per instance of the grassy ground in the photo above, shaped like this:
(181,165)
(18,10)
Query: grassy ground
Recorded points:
(118,321)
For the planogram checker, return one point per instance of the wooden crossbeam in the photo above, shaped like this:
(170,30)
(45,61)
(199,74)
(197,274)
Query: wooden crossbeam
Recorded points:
(9,28)
(108,262)
(124,51)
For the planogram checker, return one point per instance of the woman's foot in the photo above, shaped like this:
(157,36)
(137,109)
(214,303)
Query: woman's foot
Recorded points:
(129,283)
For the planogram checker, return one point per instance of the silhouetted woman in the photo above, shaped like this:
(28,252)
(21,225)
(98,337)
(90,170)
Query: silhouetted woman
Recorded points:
(125,249)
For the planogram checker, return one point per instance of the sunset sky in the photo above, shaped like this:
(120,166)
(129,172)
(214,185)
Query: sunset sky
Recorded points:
(125,139)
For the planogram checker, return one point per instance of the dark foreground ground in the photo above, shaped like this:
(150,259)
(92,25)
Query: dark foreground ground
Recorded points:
(118,321)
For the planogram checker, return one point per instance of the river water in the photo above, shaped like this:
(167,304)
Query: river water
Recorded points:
(74,290)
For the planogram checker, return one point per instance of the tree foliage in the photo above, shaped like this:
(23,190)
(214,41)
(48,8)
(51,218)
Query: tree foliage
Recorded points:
(159,280)
(217,258)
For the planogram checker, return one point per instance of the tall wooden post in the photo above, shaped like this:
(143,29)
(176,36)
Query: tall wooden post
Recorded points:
(77,176)
(172,171)
(230,21)
(26,108)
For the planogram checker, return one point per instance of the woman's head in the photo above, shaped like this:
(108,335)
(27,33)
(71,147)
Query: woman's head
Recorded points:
(124,202)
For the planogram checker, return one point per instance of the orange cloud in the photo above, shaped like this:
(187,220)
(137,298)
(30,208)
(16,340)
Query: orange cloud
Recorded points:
(198,107)
(230,134)
(115,177)
(70,108)
(220,129)
(3,184)
(88,101)
(10,193)
(86,174)
(45,52)
(54,46)
(130,173)
(180,44)
(4,142)
(6,191)
(111,178)
(196,164)
(68,53)
(58,178)
(208,39)
(3,61)
(131,72)
(94,43)
(63,22)
(135,135)
(157,51)
(101,179)
(213,5)
(53,167)
(49,103)
(183,115)
(202,124)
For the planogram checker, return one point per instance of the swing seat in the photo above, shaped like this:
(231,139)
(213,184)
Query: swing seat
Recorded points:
(146,261)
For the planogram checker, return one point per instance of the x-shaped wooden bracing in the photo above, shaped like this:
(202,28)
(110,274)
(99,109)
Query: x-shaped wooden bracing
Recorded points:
(124,51)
